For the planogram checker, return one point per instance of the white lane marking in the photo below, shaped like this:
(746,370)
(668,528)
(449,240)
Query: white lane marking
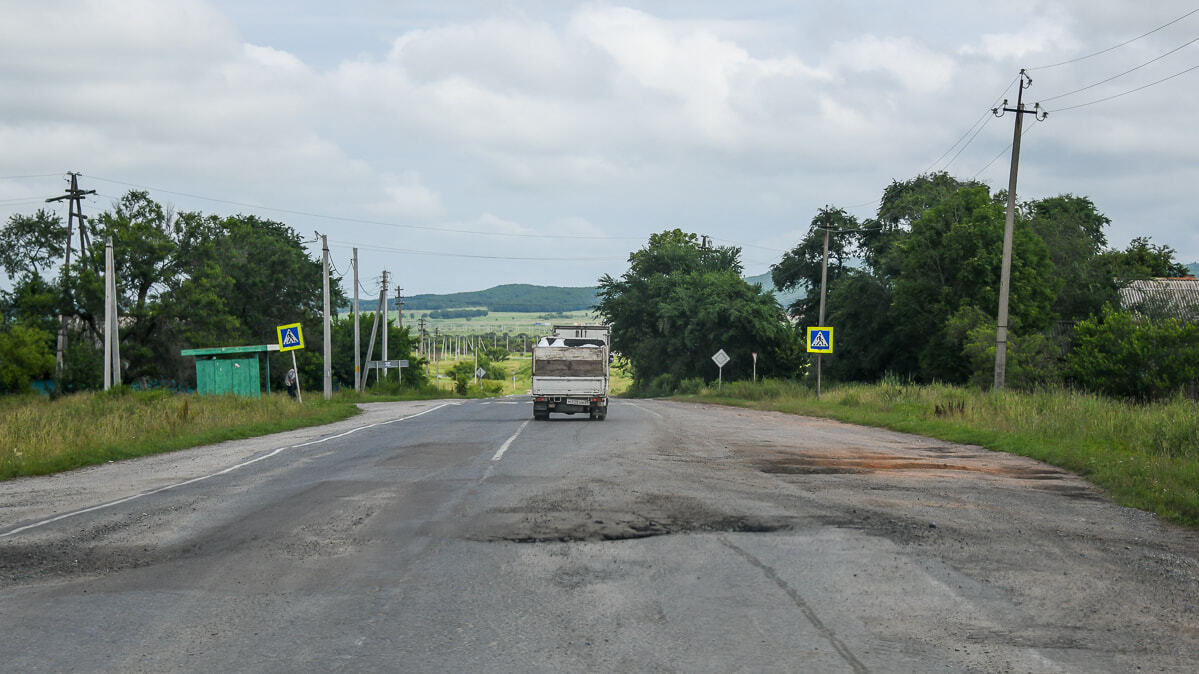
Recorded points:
(499,454)
(194,480)
(646,410)
(486,403)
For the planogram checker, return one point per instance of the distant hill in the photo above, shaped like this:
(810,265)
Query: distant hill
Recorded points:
(1194,267)
(784,298)
(509,297)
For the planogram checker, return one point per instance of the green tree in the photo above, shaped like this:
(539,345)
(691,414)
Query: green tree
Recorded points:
(802,266)
(1141,260)
(31,242)
(24,357)
(1072,229)
(1121,355)
(952,260)
(679,302)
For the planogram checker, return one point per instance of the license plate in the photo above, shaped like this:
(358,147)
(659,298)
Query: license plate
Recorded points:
(578,401)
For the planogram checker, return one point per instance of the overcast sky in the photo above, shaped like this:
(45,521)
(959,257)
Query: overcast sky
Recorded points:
(462,145)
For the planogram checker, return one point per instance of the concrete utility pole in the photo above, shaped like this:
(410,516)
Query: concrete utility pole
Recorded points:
(386,320)
(328,319)
(112,332)
(823,294)
(400,308)
(1005,274)
(74,197)
(422,349)
(357,343)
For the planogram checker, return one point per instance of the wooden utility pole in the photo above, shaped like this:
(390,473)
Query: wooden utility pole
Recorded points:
(74,197)
(1005,273)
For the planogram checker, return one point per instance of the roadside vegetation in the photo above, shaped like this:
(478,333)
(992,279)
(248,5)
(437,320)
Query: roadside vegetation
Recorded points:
(39,436)
(1143,454)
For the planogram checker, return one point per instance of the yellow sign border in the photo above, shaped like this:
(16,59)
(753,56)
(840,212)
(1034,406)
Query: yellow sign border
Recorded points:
(830,340)
(299,333)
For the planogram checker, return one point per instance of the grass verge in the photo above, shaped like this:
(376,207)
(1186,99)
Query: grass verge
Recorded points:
(1144,456)
(39,436)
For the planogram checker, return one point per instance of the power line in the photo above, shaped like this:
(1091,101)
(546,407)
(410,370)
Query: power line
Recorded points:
(984,119)
(38,175)
(410,251)
(1104,51)
(1002,152)
(1091,86)
(338,218)
(1125,93)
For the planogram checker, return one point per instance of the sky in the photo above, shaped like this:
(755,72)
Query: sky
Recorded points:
(461,145)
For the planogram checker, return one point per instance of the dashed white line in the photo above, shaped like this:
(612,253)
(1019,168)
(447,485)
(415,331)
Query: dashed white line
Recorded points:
(499,454)
(194,480)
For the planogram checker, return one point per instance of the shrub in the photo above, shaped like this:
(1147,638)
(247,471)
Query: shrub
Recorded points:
(1118,354)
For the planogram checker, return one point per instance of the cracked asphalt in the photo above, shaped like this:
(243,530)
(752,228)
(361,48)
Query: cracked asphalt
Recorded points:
(459,536)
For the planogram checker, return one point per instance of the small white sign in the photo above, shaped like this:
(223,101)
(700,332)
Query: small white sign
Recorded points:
(480,372)
(720,358)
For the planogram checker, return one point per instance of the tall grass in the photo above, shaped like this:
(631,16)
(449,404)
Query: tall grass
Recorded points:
(40,436)
(1144,455)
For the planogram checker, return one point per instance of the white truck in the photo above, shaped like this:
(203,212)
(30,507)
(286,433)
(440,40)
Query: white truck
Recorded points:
(570,372)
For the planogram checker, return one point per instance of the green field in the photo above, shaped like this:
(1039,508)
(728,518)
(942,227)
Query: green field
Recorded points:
(501,322)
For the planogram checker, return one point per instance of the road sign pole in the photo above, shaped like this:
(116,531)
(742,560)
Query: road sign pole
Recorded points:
(299,396)
(719,377)
(818,358)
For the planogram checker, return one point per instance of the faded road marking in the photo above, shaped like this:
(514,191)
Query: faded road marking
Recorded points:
(499,454)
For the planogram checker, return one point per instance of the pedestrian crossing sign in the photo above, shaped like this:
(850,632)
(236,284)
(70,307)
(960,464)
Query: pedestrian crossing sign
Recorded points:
(820,340)
(290,337)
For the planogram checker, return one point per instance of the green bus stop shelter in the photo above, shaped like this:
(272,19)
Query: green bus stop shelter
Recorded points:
(231,369)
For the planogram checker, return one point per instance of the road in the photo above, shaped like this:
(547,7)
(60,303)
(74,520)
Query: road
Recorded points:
(461,536)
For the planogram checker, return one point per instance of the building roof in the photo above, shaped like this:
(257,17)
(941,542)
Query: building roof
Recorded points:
(1177,297)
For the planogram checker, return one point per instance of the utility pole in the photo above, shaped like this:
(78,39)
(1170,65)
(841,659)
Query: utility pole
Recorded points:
(1005,274)
(74,197)
(112,333)
(357,342)
(328,319)
(400,307)
(436,362)
(421,348)
(823,294)
(386,320)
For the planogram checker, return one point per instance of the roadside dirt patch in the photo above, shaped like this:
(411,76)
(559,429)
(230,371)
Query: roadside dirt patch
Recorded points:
(915,462)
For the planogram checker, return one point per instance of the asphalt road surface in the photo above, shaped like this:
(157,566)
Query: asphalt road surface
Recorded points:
(462,536)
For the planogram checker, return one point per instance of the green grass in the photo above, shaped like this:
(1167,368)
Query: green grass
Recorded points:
(39,436)
(1144,455)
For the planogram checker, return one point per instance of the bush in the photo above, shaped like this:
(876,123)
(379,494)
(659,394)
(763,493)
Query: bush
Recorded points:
(24,356)
(690,386)
(1118,354)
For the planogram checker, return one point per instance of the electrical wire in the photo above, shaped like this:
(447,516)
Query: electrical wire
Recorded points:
(1091,86)
(337,218)
(1124,93)
(983,120)
(1126,42)
(1002,152)
(37,175)
(410,251)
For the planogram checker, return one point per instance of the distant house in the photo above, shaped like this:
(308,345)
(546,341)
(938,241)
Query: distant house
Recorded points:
(1163,297)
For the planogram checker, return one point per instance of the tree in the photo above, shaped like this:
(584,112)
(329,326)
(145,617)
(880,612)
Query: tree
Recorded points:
(1072,229)
(1141,260)
(951,260)
(29,242)
(24,357)
(680,302)
(802,266)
